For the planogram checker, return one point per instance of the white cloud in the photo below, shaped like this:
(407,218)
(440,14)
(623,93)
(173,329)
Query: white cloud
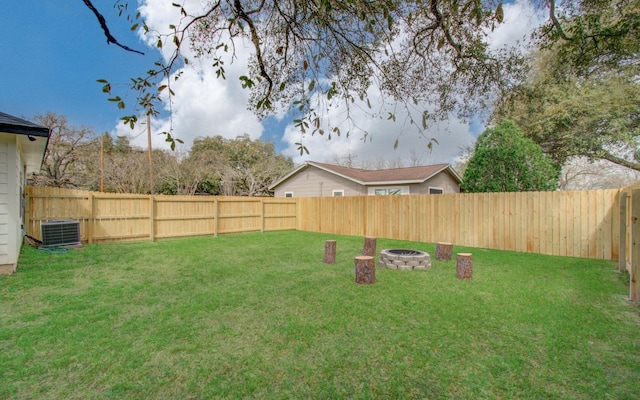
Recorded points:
(379,142)
(519,20)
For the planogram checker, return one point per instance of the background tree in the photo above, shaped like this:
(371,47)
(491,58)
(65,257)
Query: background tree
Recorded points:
(580,173)
(596,117)
(68,145)
(505,161)
(237,167)
(582,95)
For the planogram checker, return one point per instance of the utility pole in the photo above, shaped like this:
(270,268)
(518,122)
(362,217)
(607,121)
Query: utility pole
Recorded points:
(150,158)
(102,163)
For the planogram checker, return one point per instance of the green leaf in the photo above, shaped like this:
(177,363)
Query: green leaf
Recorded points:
(499,13)
(134,27)
(395,144)
(312,84)
(303,149)
(282,86)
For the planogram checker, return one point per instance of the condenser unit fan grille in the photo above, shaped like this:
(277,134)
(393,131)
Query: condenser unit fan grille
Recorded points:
(60,233)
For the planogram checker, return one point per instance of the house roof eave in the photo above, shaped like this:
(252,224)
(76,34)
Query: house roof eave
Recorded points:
(361,182)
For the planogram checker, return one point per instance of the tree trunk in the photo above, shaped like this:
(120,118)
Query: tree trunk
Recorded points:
(365,269)
(330,252)
(464,265)
(443,251)
(369,246)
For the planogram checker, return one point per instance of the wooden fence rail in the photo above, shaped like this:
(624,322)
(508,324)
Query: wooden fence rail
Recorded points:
(112,217)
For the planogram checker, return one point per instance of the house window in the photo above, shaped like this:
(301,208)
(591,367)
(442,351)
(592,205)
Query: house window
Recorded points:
(435,190)
(338,193)
(288,194)
(386,191)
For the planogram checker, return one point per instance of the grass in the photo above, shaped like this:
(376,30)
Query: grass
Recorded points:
(261,316)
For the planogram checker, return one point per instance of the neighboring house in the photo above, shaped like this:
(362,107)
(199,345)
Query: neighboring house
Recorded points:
(22,147)
(314,179)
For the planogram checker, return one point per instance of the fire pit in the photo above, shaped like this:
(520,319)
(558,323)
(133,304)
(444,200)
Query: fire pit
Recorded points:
(405,259)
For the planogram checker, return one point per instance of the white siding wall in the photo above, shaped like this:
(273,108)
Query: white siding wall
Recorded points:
(10,219)
(4,202)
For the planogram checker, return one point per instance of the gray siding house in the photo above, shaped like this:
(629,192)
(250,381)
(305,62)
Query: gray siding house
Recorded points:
(22,146)
(314,179)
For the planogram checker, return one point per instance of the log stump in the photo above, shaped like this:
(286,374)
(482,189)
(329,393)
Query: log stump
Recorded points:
(369,246)
(330,252)
(444,250)
(464,265)
(365,269)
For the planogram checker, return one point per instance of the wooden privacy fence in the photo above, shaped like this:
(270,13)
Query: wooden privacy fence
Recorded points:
(564,223)
(112,217)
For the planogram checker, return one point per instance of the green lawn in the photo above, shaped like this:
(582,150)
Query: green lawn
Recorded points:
(261,316)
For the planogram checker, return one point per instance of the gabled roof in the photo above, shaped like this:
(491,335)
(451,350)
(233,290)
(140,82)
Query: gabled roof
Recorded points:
(11,124)
(366,177)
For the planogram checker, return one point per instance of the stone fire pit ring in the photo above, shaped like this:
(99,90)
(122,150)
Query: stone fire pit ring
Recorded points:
(405,259)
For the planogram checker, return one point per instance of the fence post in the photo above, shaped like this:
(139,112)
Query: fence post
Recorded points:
(152,218)
(216,220)
(262,216)
(634,284)
(622,257)
(91,220)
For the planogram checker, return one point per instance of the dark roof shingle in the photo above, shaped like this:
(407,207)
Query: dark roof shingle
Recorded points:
(11,124)
(413,174)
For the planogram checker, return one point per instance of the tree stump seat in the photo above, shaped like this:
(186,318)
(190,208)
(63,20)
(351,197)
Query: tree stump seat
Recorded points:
(464,265)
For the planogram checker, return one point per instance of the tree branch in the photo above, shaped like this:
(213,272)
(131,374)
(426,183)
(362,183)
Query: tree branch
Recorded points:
(556,23)
(105,28)
(255,38)
(620,161)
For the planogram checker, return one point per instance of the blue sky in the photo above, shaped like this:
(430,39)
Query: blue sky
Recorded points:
(54,51)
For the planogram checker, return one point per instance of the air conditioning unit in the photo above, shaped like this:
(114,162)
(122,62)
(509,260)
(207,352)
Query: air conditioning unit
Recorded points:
(60,233)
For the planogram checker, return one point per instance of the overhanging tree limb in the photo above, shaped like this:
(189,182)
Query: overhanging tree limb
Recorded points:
(105,28)
(620,161)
